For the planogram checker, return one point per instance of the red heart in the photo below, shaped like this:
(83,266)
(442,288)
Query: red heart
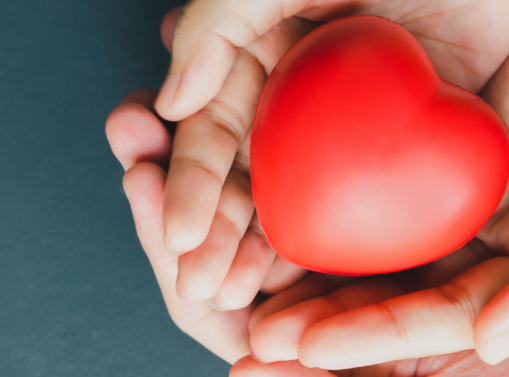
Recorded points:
(364,161)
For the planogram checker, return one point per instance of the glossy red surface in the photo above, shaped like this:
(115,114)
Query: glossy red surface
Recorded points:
(364,161)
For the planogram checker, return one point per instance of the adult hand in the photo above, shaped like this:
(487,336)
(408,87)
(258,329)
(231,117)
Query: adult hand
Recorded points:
(422,322)
(467,40)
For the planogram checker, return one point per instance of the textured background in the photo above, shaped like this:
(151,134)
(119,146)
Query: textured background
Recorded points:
(77,294)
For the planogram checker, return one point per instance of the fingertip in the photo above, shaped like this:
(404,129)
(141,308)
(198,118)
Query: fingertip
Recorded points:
(143,184)
(491,331)
(225,304)
(179,241)
(189,289)
(242,367)
(243,280)
(275,338)
(304,356)
(316,348)
(168,27)
(166,97)
(259,340)
(142,175)
(136,135)
(195,80)
(194,283)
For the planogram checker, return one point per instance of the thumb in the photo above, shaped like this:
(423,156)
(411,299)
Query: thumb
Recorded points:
(205,44)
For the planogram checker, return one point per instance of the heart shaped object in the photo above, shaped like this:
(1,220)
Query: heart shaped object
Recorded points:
(363,161)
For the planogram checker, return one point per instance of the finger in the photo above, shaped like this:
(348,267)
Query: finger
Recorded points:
(314,285)
(203,270)
(204,148)
(248,367)
(271,46)
(491,333)
(204,50)
(282,275)
(168,27)
(224,333)
(276,338)
(252,262)
(236,278)
(496,93)
(430,322)
(134,132)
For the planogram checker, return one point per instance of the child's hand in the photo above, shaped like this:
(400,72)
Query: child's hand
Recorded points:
(208,206)
(142,145)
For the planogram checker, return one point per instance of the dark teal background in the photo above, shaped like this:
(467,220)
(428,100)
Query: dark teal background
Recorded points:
(77,294)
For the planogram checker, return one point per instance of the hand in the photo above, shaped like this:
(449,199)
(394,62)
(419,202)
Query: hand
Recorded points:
(389,325)
(208,205)
(143,145)
(467,41)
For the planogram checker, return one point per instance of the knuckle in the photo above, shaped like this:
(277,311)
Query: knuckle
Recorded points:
(230,224)
(185,160)
(460,297)
(227,119)
(389,314)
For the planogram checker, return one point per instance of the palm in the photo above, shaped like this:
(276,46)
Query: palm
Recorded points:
(338,324)
(467,40)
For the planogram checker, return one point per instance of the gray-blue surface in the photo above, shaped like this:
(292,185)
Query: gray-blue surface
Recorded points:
(77,294)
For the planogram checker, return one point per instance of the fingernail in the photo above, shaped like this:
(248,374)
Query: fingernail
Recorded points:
(125,189)
(168,91)
(498,348)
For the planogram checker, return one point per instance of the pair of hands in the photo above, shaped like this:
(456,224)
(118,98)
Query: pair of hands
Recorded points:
(202,208)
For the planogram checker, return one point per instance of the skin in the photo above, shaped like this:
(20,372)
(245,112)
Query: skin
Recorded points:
(202,210)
